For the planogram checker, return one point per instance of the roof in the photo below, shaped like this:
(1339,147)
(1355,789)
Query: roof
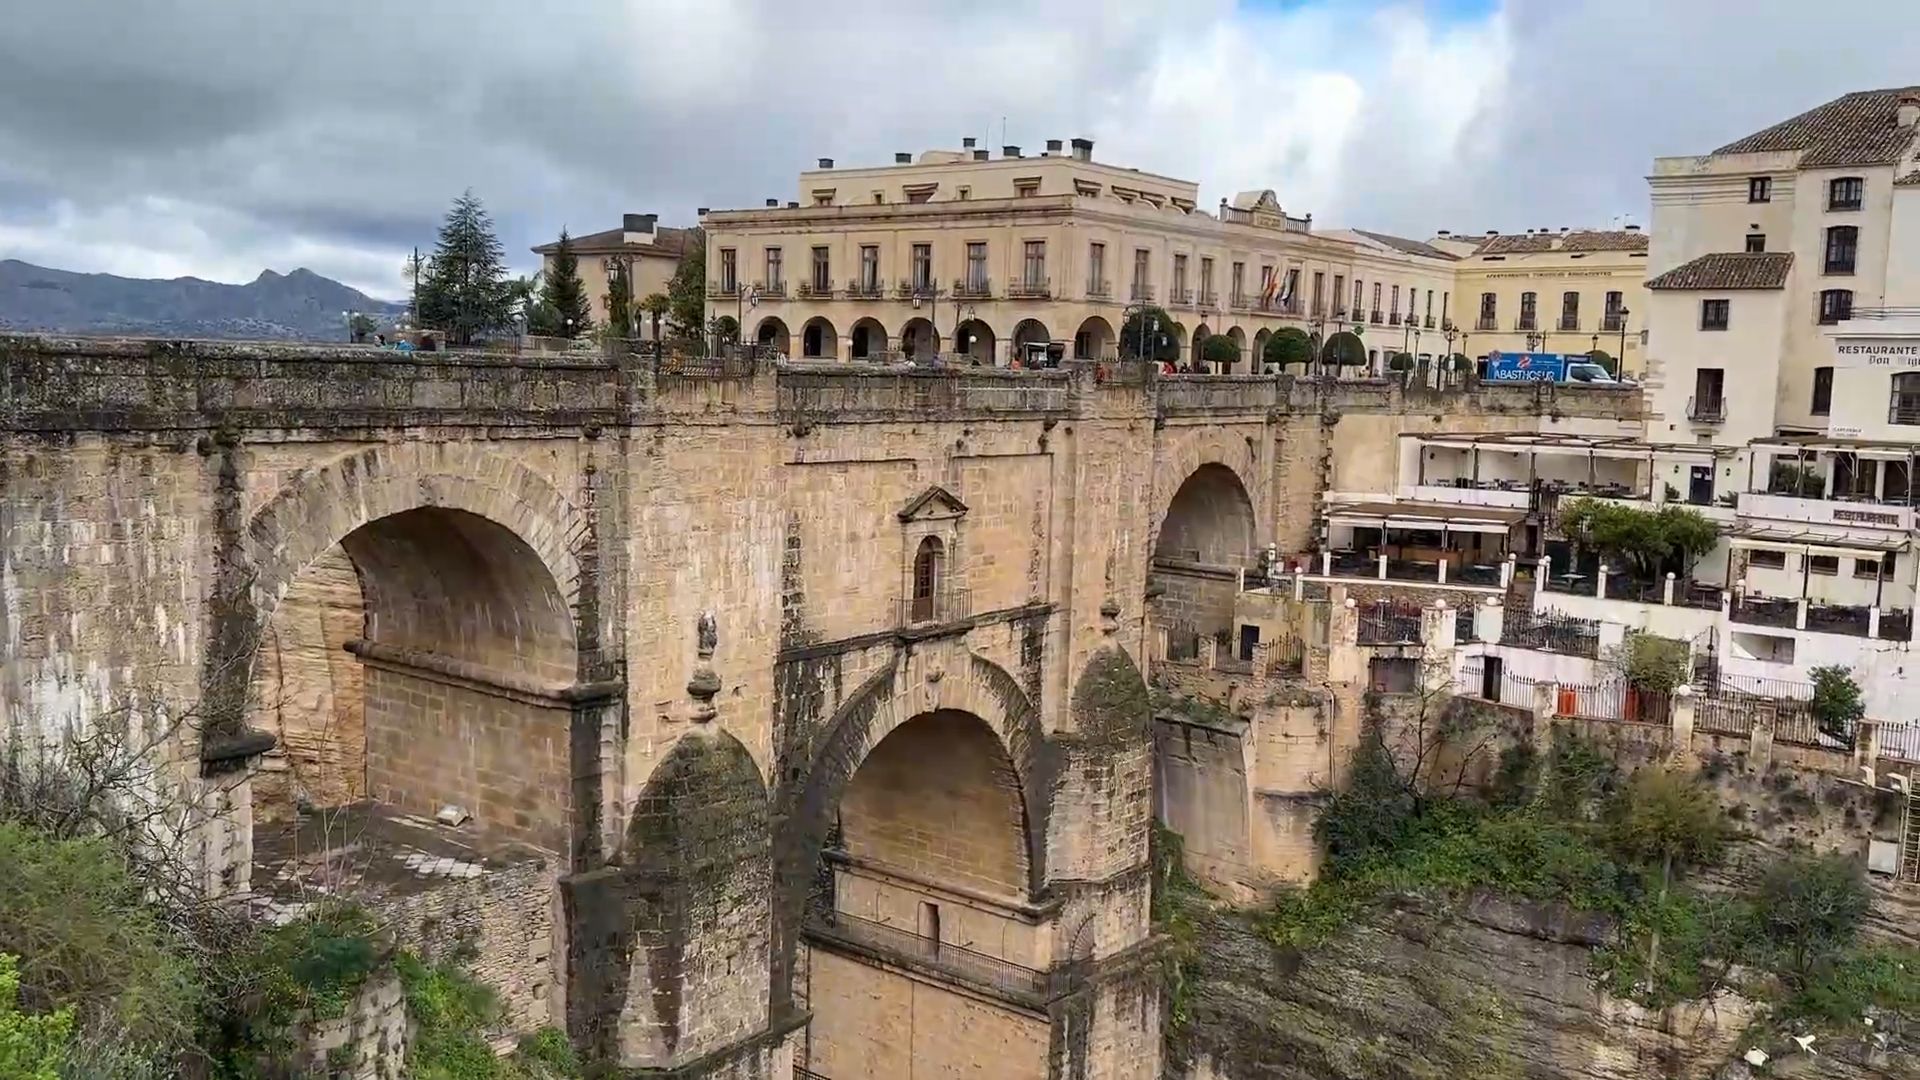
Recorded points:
(1411,247)
(1729,270)
(1912,179)
(1578,240)
(667,240)
(1860,128)
(1406,510)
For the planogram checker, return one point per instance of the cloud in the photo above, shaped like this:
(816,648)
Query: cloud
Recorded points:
(193,136)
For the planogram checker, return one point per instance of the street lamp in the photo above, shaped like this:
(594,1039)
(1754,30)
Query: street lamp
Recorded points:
(1623,336)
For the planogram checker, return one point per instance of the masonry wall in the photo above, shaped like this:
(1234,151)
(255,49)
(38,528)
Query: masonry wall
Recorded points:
(932,1030)
(432,743)
(1203,795)
(308,691)
(501,923)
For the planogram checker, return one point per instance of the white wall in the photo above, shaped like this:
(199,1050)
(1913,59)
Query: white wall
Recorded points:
(1748,351)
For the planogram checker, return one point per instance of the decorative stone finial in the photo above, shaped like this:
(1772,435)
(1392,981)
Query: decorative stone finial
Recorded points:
(1110,616)
(705,683)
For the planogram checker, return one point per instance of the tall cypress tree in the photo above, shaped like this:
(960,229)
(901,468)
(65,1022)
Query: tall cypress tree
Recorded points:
(564,293)
(464,292)
(620,300)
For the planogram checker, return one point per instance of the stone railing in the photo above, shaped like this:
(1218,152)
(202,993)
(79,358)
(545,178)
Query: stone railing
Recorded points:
(827,389)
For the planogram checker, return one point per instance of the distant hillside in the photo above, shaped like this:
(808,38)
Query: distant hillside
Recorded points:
(297,306)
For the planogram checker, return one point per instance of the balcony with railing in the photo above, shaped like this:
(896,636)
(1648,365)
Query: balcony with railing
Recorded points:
(723,289)
(895,942)
(1209,298)
(865,290)
(1393,318)
(1240,301)
(1180,297)
(941,609)
(1099,290)
(1141,293)
(924,289)
(1612,322)
(1526,323)
(1339,313)
(1487,322)
(1903,408)
(816,290)
(973,288)
(1376,317)
(1388,623)
(1038,288)
(1708,410)
(1568,322)
(775,290)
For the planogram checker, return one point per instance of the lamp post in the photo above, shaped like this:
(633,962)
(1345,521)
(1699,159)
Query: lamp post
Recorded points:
(1623,336)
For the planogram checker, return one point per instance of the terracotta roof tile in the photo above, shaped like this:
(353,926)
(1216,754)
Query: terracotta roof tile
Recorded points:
(1580,240)
(1729,270)
(1912,179)
(1411,247)
(667,241)
(1860,128)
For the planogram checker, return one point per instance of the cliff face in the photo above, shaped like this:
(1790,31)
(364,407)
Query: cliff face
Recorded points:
(1488,990)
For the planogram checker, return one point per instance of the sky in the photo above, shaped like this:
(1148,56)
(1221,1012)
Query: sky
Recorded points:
(218,138)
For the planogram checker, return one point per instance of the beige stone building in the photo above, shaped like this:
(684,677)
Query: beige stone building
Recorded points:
(1570,291)
(650,251)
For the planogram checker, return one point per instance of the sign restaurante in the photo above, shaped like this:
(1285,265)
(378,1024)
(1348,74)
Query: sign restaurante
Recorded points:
(1878,353)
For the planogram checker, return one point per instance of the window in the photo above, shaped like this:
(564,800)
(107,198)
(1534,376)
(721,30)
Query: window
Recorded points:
(1709,396)
(1142,274)
(1904,406)
(822,271)
(1756,243)
(1239,283)
(1096,269)
(1026,189)
(1034,271)
(1376,301)
(930,925)
(729,271)
(928,563)
(977,265)
(1179,276)
(1872,569)
(1823,564)
(1339,293)
(1570,311)
(922,267)
(1614,318)
(1759,189)
(869,268)
(1488,311)
(1836,305)
(1713,314)
(1761,559)
(1846,193)
(1822,391)
(1396,301)
(1429,303)
(1843,242)
(1359,298)
(1206,280)
(823,198)
(1319,293)
(920,195)
(1529,315)
(1897,488)
(775,274)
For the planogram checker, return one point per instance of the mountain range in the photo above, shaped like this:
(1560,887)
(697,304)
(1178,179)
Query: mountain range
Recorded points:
(300,306)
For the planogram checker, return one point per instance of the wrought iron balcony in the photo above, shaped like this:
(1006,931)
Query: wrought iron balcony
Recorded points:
(1569,322)
(723,288)
(1429,322)
(1099,290)
(1487,322)
(1711,410)
(1526,322)
(1393,318)
(774,289)
(940,609)
(1141,292)
(1209,298)
(865,290)
(1030,289)
(979,288)
(1180,297)
(917,290)
(1903,409)
(1376,318)
(814,290)
(1240,300)
(1611,323)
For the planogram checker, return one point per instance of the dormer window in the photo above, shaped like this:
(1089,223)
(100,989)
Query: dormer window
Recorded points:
(823,196)
(1027,187)
(921,193)
(933,594)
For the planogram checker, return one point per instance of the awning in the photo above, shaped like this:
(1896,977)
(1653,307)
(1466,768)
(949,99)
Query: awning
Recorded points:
(1808,541)
(1435,516)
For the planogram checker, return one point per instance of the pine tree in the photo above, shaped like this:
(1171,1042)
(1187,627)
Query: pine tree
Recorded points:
(564,293)
(687,292)
(620,301)
(464,290)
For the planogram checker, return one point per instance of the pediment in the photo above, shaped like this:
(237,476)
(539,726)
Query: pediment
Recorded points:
(934,504)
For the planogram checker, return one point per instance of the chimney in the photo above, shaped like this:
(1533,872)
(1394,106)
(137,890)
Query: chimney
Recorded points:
(1908,114)
(638,223)
(773,202)
(1054,146)
(1446,232)
(902,159)
(979,155)
(1009,151)
(968,142)
(702,212)
(826,163)
(793,205)
(1563,230)
(1633,228)
(1083,149)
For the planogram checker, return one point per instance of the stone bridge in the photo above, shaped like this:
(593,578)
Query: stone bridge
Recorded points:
(796,715)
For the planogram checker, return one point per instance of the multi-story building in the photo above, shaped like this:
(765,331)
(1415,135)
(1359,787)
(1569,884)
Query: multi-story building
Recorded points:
(649,251)
(1572,291)
(964,253)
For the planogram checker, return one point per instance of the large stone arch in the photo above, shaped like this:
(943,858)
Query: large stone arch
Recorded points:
(691,898)
(932,678)
(1187,450)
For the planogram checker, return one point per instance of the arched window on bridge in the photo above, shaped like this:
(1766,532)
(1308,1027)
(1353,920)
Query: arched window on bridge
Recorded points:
(928,563)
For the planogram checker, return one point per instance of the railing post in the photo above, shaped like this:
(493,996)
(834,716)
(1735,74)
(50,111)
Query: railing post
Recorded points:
(1600,582)
(1443,571)
(1666,596)
(1682,724)
(1326,564)
(1873,621)
(1543,572)
(1760,742)
(1383,568)
(1866,749)
(1489,621)
(1800,614)
(1299,585)
(1507,567)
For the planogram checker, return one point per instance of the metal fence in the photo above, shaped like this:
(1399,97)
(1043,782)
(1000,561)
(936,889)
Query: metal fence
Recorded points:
(1384,622)
(1463,625)
(1901,741)
(976,967)
(1507,689)
(1280,658)
(1551,631)
(1733,704)
(1614,699)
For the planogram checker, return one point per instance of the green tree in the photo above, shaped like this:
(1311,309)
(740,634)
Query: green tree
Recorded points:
(1290,346)
(1665,819)
(1344,349)
(464,290)
(1459,363)
(1600,356)
(1644,542)
(362,326)
(687,291)
(1837,702)
(31,1047)
(564,292)
(620,300)
(1810,907)
(1220,351)
(1655,663)
(1137,342)
(1400,361)
(656,306)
